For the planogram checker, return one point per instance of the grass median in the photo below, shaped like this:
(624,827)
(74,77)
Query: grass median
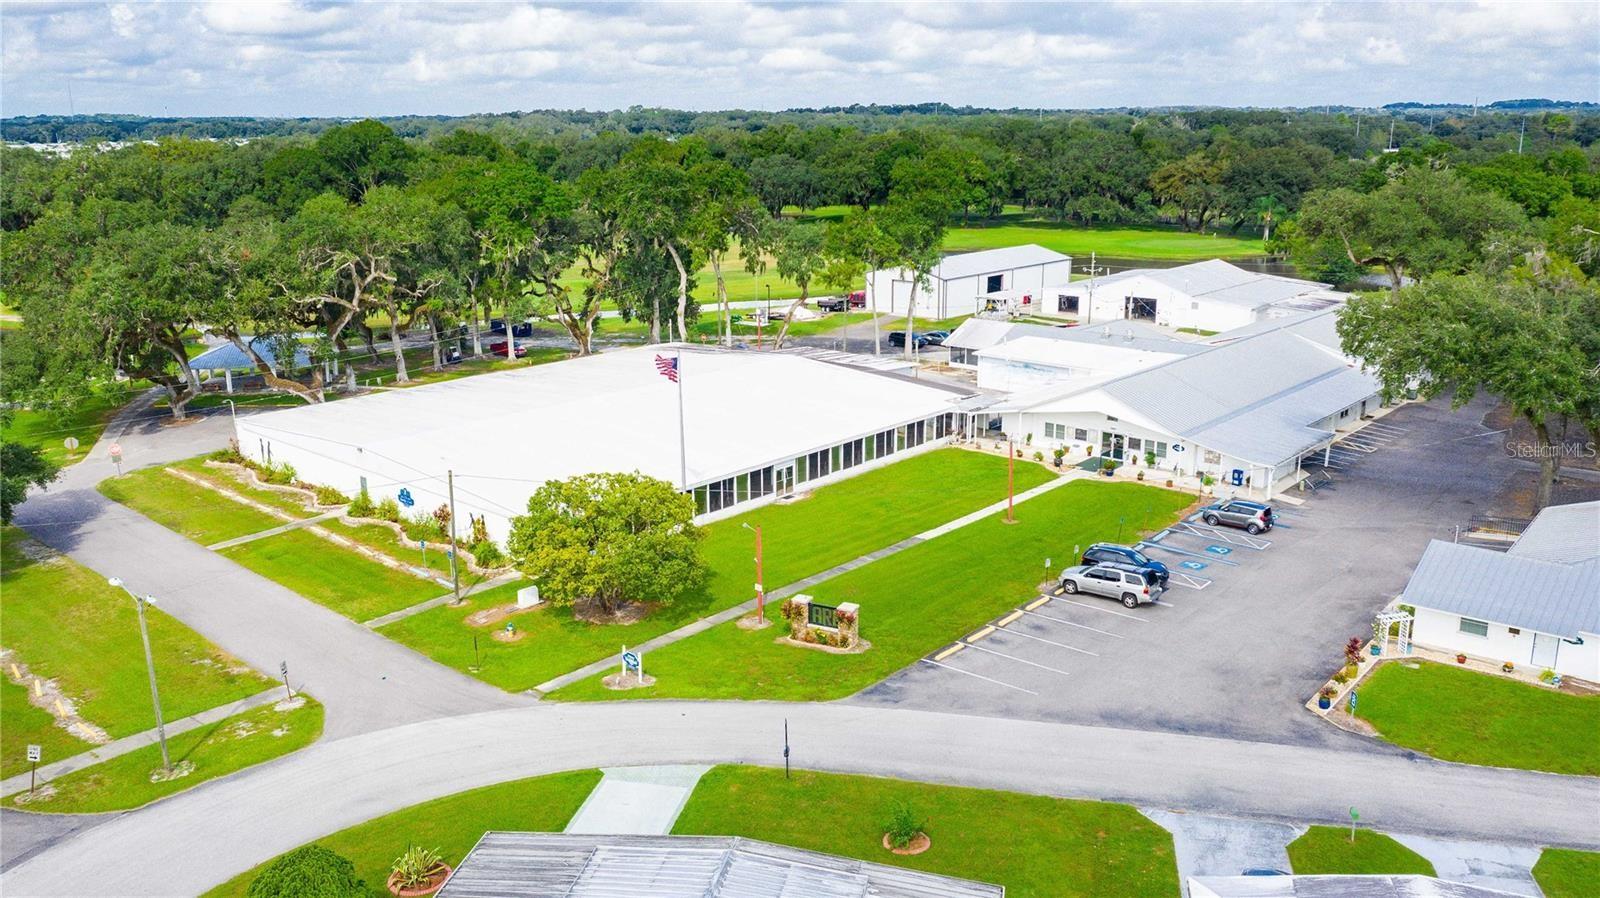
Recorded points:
(836,524)
(206,753)
(452,825)
(1567,873)
(1031,844)
(334,577)
(187,508)
(1328,850)
(911,602)
(1474,718)
(67,625)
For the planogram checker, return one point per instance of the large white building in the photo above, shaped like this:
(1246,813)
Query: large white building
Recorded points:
(1210,296)
(1014,356)
(1537,604)
(962,283)
(1246,411)
(755,426)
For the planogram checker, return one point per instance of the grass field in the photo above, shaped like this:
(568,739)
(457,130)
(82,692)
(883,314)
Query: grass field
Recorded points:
(1328,850)
(837,523)
(419,362)
(289,503)
(1474,718)
(452,825)
(241,741)
(68,625)
(336,578)
(49,429)
(1565,873)
(1033,845)
(911,603)
(187,508)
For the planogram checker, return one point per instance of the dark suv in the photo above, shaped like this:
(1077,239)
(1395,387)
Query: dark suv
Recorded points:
(1127,555)
(1251,517)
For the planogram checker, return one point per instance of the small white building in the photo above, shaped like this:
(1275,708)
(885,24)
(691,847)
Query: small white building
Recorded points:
(756,426)
(959,284)
(1014,357)
(1246,412)
(1209,297)
(1537,604)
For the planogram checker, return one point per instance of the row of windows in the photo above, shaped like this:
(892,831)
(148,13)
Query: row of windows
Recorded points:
(1054,431)
(782,478)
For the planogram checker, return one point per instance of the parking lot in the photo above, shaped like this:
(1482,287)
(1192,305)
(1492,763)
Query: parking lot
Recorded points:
(1249,626)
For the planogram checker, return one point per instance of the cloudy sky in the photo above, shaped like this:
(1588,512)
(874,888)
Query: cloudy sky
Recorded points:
(241,57)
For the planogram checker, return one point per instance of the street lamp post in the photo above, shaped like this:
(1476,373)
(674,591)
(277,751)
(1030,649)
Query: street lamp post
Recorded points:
(150,667)
(761,589)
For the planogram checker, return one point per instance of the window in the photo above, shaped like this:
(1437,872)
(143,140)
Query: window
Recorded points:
(994,283)
(821,462)
(1213,458)
(1053,431)
(760,483)
(1159,448)
(1134,445)
(1081,435)
(719,495)
(885,443)
(1344,413)
(1193,306)
(836,455)
(1067,304)
(741,489)
(1474,627)
(699,500)
(852,453)
(871,447)
(802,470)
(1109,418)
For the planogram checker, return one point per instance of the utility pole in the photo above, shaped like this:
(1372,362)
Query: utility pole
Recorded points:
(761,589)
(150,668)
(1011,479)
(455,569)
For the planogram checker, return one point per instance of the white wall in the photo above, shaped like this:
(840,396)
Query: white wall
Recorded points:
(1174,307)
(1201,314)
(960,296)
(1441,630)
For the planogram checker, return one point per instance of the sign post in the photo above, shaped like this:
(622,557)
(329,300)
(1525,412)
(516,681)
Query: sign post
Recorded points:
(1354,816)
(786,748)
(633,661)
(424,545)
(116,456)
(34,753)
(283,669)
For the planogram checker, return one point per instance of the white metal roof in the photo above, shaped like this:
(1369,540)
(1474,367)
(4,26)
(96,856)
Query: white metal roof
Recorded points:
(992,261)
(1561,599)
(1564,533)
(612,412)
(1111,355)
(1220,281)
(981,333)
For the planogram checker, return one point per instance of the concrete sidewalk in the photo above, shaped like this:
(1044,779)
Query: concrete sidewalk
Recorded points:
(274,531)
(638,801)
(120,747)
(436,601)
(727,614)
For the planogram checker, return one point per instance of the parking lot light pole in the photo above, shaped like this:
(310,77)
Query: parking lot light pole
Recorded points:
(150,667)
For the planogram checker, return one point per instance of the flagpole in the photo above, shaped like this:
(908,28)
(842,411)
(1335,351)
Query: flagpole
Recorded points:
(683,451)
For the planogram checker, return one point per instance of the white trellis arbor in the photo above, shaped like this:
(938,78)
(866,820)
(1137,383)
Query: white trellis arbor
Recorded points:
(1384,623)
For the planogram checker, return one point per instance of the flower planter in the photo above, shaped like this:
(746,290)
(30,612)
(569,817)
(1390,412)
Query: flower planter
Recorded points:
(1376,650)
(1461,659)
(1324,703)
(435,883)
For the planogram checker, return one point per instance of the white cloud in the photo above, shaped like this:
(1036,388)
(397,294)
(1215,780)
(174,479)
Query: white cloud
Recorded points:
(275,57)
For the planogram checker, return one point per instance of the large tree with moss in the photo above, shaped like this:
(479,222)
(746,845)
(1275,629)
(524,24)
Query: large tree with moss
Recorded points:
(609,539)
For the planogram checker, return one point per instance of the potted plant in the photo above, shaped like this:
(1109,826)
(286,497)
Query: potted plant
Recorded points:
(1108,467)
(420,871)
(1059,455)
(902,833)
(1150,458)
(1325,697)
(1461,658)
(1507,667)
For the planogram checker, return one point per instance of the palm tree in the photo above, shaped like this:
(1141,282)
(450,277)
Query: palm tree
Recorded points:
(1267,209)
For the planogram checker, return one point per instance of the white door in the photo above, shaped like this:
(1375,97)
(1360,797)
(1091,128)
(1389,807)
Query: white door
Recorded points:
(1545,649)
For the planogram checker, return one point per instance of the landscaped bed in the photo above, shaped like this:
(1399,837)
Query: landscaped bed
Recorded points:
(452,825)
(1475,718)
(207,752)
(66,624)
(1566,873)
(911,602)
(1031,844)
(1328,850)
(836,524)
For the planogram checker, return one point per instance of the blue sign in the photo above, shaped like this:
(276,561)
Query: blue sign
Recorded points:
(1237,477)
(1194,565)
(630,661)
(1218,550)
(1352,711)
(1177,447)
(405,498)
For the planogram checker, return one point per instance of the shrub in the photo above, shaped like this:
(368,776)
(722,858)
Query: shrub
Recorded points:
(1059,454)
(1352,651)
(442,515)
(280,475)
(230,455)
(327,495)
(1150,459)
(1038,456)
(416,866)
(388,509)
(1327,692)
(308,872)
(1547,675)
(486,553)
(424,526)
(902,825)
(1341,677)
(480,530)
(361,506)
(1108,465)
(1207,480)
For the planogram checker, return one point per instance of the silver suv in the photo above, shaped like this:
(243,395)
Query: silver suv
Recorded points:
(1124,583)
(1252,517)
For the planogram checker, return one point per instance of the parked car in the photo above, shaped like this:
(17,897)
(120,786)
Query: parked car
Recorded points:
(1251,517)
(1125,583)
(898,338)
(498,347)
(1127,555)
(519,329)
(858,299)
(937,338)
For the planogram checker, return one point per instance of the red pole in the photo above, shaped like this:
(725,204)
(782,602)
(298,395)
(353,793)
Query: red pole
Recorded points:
(761,583)
(1011,479)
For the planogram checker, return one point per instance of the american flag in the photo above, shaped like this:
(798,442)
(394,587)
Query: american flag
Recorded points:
(668,368)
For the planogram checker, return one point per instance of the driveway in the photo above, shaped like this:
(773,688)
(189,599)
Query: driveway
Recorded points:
(1238,658)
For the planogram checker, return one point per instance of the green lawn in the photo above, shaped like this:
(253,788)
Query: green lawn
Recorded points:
(452,825)
(1565,873)
(1328,850)
(419,362)
(911,603)
(1031,844)
(290,503)
(337,578)
(67,624)
(241,741)
(836,524)
(1460,715)
(85,422)
(188,508)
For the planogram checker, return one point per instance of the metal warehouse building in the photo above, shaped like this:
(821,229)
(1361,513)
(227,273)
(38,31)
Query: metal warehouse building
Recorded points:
(960,284)
(754,427)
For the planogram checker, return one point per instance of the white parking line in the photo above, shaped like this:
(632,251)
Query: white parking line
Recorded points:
(979,676)
(1163,602)
(1062,620)
(1021,660)
(1049,641)
(1105,610)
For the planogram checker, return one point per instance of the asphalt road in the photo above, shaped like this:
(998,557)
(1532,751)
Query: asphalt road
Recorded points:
(202,837)
(1238,659)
